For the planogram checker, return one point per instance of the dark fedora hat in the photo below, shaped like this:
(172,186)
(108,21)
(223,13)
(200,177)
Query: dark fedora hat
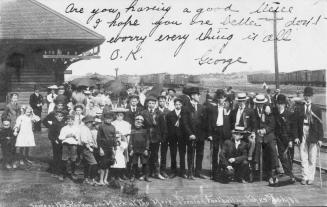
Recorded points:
(220,94)
(281,99)
(308,91)
(194,90)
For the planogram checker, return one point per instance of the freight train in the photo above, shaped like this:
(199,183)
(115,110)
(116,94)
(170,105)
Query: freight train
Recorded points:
(169,80)
(301,77)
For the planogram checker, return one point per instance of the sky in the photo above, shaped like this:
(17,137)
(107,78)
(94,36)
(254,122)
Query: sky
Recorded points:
(303,46)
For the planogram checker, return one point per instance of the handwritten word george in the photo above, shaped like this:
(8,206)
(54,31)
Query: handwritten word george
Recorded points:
(206,59)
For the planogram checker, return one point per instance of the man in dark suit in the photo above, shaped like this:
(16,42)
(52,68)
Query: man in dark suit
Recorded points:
(243,118)
(36,102)
(265,136)
(284,134)
(175,138)
(233,159)
(155,123)
(219,127)
(194,125)
(134,109)
(309,132)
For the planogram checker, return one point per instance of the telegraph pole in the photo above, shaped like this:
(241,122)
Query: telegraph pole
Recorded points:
(116,69)
(276,52)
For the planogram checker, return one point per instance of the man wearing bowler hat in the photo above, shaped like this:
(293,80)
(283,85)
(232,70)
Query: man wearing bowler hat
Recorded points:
(284,132)
(194,124)
(309,135)
(36,102)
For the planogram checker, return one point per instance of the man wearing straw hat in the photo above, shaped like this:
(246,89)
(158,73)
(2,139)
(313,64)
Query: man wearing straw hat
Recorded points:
(265,137)
(243,118)
(309,133)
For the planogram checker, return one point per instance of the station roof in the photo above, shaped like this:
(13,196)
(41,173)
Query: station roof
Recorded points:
(30,20)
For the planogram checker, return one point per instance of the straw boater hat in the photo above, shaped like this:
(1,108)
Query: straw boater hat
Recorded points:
(241,97)
(53,87)
(119,110)
(87,92)
(260,98)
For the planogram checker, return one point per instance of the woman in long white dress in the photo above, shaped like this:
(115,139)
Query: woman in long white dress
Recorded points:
(24,131)
(51,98)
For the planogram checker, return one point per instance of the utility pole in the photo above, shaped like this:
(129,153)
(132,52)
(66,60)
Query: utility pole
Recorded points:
(276,52)
(116,69)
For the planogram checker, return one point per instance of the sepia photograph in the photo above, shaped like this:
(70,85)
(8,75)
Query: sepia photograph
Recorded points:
(163,103)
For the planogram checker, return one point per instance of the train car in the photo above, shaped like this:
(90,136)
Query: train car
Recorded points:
(318,77)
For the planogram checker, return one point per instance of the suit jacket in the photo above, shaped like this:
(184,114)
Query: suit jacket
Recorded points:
(174,125)
(34,100)
(269,125)
(315,127)
(229,151)
(212,120)
(130,116)
(194,122)
(155,123)
(285,129)
(247,119)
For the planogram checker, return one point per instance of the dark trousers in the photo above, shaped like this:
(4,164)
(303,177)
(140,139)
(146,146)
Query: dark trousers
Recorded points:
(145,170)
(285,157)
(37,125)
(56,165)
(8,152)
(154,159)
(269,153)
(172,144)
(217,141)
(240,171)
(182,152)
(195,151)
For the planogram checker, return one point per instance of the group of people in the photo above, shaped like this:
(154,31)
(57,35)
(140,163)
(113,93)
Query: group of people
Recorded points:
(247,132)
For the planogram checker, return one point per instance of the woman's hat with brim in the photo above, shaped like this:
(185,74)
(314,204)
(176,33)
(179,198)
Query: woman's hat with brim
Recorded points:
(109,115)
(53,87)
(260,98)
(241,97)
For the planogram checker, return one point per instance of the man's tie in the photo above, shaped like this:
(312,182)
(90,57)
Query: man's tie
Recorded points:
(308,113)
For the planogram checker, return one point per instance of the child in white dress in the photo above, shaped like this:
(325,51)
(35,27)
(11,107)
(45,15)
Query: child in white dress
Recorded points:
(118,169)
(24,131)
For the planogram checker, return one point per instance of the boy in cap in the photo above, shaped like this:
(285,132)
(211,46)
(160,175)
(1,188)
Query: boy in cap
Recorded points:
(155,123)
(233,159)
(54,126)
(106,140)
(69,138)
(309,134)
(139,145)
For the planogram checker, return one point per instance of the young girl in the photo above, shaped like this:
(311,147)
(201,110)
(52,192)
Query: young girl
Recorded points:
(24,131)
